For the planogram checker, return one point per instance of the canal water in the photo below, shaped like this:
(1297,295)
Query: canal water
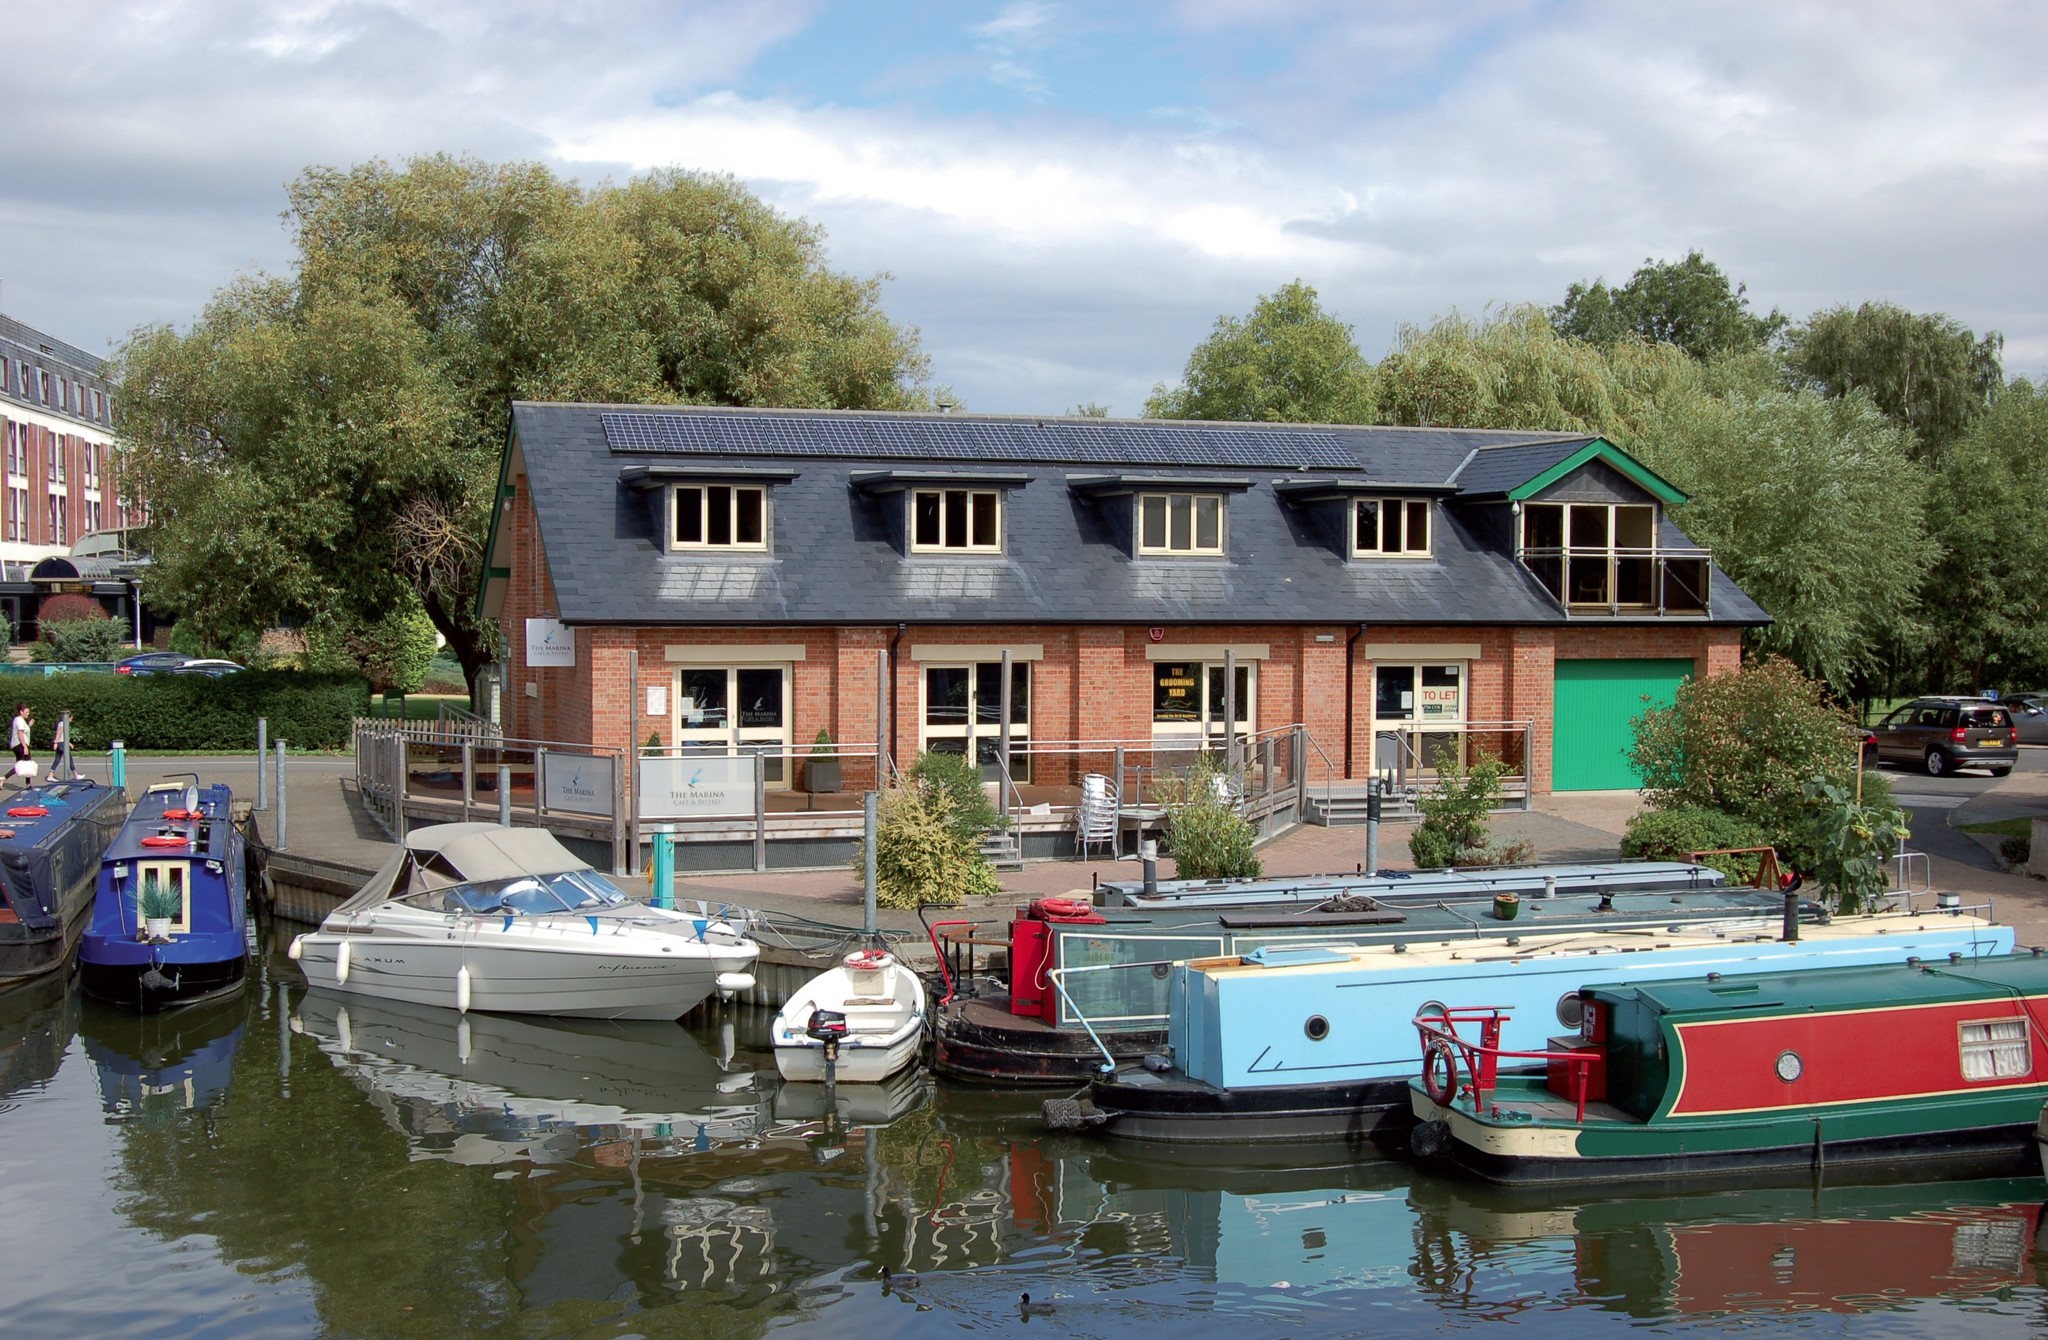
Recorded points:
(290,1165)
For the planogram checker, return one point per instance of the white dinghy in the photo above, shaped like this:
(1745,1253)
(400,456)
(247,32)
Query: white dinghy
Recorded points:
(859,1023)
(508,920)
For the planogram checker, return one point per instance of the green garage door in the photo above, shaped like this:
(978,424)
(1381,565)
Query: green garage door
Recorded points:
(1590,738)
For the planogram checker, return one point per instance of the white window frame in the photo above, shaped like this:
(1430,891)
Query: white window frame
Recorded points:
(682,497)
(1995,1049)
(1207,730)
(946,543)
(973,733)
(730,739)
(1409,510)
(1194,500)
(169,874)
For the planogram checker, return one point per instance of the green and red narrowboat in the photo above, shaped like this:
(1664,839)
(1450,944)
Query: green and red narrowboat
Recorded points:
(1936,1067)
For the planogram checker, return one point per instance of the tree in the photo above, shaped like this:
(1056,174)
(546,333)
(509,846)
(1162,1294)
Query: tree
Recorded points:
(1930,373)
(1817,510)
(326,443)
(1287,362)
(1690,304)
(1984,596)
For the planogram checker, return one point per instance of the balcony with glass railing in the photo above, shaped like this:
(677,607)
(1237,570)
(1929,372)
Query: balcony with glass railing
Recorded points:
(1611,581)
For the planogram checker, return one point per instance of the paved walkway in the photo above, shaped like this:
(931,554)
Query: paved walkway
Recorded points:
(326,823)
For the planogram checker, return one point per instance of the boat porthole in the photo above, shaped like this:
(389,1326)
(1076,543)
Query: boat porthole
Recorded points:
(1790,1067)
(1159,971)
(1317,1028)
(1571,1011)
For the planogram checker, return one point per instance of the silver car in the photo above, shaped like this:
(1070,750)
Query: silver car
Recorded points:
(2030,715)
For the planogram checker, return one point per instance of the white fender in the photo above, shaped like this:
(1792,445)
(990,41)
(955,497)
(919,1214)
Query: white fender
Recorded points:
(298,948)
(462,988)
(341,962)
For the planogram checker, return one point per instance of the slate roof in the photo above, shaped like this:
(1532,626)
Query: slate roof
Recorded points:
(1067,557)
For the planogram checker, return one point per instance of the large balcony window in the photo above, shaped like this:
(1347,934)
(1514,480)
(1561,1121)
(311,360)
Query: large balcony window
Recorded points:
(1604,557)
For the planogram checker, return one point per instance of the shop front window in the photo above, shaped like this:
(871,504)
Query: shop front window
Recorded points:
(963,713)
(735,710)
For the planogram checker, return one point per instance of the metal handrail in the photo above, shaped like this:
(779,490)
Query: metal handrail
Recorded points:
(1057,976)
(1482,1059)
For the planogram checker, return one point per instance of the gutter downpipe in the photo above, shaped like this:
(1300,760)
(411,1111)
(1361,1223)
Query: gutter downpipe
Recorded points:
(1350,692)
(887,762)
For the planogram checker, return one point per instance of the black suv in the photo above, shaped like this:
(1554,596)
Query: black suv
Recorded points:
(1943,734)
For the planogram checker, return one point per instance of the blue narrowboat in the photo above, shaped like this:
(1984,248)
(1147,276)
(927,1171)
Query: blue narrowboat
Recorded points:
(169,926)
(51,838)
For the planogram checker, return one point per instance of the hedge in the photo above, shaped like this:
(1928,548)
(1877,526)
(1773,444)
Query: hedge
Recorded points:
(192,712)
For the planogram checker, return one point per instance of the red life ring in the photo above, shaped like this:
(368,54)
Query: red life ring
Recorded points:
(166,840)
(181,814)
(1441,1087)
(1065,907)
(867,960)
(27,812)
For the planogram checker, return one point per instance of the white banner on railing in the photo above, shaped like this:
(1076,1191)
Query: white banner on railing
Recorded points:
(577,783)
(692,788)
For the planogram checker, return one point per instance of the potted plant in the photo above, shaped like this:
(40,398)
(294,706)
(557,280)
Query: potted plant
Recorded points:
(159,907)
(822,772)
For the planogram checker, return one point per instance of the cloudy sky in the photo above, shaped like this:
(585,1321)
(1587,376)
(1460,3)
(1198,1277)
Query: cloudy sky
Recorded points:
(1067,195)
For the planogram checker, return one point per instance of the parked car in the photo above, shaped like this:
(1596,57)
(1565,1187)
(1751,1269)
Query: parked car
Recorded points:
(208,666)
(2030,714)
(150,663)
(1942,734)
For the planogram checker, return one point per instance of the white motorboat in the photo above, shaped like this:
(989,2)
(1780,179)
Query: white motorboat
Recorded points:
(507,920)
(859,1023)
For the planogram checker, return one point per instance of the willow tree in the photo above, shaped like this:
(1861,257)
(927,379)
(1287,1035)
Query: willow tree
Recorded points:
(325,442)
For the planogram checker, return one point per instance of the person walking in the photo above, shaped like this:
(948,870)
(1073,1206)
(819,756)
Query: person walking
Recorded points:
(61,762)
(17,740)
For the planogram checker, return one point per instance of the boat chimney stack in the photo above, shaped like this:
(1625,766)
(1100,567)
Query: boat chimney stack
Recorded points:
(1791,914)
(1148,852)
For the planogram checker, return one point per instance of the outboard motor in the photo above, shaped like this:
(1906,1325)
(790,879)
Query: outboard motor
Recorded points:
(828,1027)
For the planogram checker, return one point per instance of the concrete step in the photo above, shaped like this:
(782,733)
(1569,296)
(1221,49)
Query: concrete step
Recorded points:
(1003,850)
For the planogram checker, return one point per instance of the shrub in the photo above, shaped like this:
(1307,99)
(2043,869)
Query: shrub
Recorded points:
(70,607)
(93,639)
(1208,838)
(971,813)
(1674,834)
(923,853)
(193,712)
(1844,845)
(2017,850)
(1455,812)
(393,652)
(1745,744)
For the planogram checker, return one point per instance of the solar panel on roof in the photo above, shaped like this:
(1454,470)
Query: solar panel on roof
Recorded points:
(977,440)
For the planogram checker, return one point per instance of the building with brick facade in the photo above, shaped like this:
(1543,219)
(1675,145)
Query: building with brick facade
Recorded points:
(729,581)
(62,517)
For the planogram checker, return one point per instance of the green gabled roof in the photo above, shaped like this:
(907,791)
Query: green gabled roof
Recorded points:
(1600,449)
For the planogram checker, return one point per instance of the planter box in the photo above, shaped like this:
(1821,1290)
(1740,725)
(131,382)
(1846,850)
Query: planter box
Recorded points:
(821,774)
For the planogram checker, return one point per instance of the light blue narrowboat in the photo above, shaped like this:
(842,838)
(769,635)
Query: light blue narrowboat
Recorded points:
(1319,1044)
(170,920)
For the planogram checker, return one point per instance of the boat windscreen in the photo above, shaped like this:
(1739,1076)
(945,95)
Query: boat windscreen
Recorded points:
(526,895)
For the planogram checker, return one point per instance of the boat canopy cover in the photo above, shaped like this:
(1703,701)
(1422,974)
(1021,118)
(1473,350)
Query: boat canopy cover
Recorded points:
(442,855)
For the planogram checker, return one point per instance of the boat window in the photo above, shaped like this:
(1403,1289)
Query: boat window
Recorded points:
(528,896)
(1995,1049)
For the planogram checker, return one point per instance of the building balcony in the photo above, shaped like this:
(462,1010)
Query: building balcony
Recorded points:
(1624,582)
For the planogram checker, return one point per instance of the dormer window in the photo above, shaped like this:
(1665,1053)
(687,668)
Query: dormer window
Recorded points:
(719,516)
(956,521)
(1178,524)
(1390,527)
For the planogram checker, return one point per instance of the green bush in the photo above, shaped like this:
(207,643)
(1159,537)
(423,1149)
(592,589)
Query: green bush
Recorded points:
(1455,813)
(1208,838)
(1674,834)
(925,850)
(91,639)
(1843,845)
(393,652)
(193,712)
(2017,850)
(971,813)
(1744,744)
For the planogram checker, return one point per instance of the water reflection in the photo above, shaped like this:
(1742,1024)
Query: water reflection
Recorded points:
(154,1067)
(371,1169)
(37,1020)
